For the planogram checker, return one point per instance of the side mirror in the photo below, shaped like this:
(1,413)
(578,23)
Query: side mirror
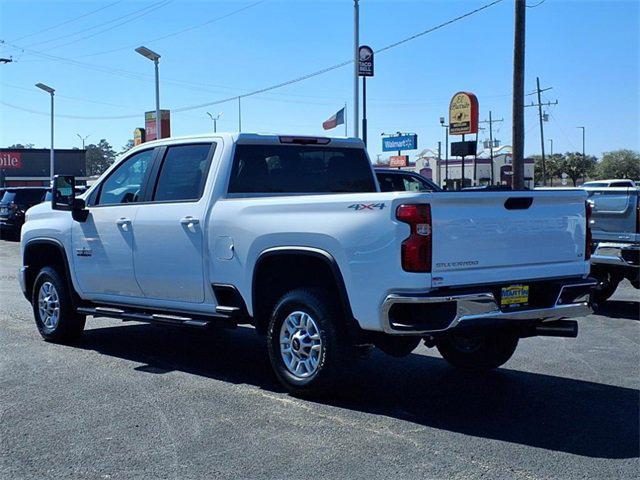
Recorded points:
(64,192)
(64,197)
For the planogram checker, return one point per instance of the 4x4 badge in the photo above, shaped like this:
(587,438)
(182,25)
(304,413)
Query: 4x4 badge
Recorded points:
(366,206)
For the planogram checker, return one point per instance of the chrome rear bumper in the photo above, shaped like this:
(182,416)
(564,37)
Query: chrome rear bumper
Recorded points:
(618,254)
(479,308)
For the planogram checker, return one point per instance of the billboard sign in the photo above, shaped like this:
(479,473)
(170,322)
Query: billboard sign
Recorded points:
(10,160)
(365,61)
(399,161)
(400,142)
(150,124)
(463,114)
(139,136)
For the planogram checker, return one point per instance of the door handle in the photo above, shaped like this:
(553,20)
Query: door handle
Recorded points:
(123,222)
(189,221)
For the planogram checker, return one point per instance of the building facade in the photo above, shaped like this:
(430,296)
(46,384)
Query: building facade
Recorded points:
(30,166)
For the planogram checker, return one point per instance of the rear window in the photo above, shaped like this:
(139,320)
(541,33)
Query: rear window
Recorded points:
(300,169)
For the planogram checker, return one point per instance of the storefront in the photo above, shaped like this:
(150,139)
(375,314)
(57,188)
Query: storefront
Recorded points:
(30,166)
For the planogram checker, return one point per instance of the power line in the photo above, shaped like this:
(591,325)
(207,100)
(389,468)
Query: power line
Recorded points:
(265,89)
(98,25)
(67,21)
(142,13)
(178,32)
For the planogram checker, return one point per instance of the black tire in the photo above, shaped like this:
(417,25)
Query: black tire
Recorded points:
(334,350)
(69,324)
(607,284)
(478,353)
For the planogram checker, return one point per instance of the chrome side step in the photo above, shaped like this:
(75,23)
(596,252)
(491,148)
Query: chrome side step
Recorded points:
(124,314)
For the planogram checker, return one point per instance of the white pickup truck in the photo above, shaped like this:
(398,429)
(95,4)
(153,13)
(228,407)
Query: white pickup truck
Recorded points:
(292,235)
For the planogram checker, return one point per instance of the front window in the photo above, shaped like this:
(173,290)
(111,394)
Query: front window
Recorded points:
(124,184)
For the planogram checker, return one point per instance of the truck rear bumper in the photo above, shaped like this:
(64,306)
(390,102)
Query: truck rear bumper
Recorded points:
(434,312)
(617,254)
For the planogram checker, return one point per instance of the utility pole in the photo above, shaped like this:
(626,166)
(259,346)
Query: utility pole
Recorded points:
(239,116)
(491,121)
(356,47)
(540,105)
(551,147)
(517,168)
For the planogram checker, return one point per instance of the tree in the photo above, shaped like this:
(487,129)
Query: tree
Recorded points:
(552,164)
(576,166)
(127,146)
(99,157)
(620,164)
(19,145)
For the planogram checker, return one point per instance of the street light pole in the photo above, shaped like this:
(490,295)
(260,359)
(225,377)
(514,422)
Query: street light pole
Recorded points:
(583,156)
(82,138)
(154,57)
(356,46)
(446,151)
(51,92)
(583,129)
(215,120)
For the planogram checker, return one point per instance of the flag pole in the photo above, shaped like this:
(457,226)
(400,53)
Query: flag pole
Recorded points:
(345,120)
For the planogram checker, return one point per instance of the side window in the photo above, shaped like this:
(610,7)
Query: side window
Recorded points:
(124,183)
(183,173)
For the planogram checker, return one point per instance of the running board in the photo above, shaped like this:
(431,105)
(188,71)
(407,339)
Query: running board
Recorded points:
(125,314)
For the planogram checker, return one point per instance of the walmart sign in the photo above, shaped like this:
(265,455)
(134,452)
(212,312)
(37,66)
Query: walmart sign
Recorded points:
(399,142)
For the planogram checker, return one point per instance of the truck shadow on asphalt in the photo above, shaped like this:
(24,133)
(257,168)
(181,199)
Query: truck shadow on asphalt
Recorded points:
(543,411)
(626,309)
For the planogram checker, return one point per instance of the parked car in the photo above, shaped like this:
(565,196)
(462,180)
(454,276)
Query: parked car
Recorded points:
(394,180)
(292,235)
(14,202)
(623,182)
(615,226)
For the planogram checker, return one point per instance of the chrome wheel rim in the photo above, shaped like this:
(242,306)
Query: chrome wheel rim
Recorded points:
(48,306)
(300,344)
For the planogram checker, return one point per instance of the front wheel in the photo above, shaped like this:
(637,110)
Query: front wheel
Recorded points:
(55,316)
(478,352)
(307,346)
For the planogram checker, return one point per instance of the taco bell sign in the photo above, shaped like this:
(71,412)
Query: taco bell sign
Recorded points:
(10,160)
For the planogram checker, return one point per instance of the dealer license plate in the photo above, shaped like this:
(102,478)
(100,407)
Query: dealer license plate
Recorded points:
(514,295)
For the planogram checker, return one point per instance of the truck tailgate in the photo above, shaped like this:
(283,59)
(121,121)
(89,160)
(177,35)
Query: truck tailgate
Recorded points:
(483,237)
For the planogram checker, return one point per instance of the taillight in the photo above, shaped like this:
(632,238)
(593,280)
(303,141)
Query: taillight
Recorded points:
(588,238)
(416,248)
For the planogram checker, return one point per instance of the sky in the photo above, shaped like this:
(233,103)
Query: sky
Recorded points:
(587,51)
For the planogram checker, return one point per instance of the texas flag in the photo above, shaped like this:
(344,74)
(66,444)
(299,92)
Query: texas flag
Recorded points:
(335,120)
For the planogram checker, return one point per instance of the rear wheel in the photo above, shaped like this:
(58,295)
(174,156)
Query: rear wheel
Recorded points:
(307,346)
(478,352)
(607,284)
(55,316)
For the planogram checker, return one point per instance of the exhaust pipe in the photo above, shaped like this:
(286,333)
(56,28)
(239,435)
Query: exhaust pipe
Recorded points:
(557,328)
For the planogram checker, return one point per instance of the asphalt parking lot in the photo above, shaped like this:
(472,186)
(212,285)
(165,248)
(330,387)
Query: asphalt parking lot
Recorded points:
(139,401)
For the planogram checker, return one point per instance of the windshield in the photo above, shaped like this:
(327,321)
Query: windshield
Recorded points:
(8,197)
